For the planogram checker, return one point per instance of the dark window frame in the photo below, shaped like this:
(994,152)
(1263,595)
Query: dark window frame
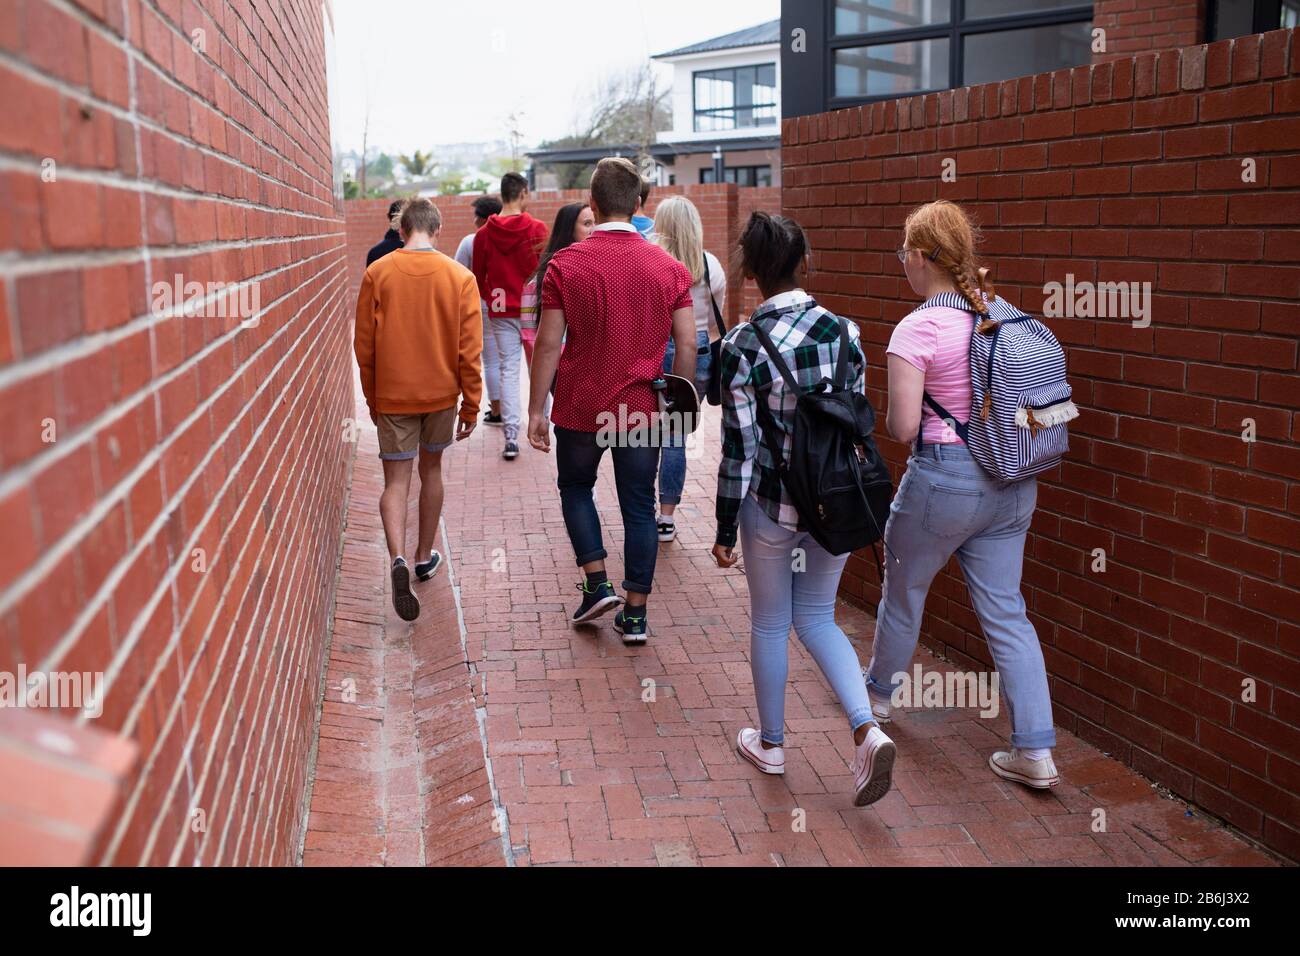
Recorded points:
(1266,16)
(955,31)
(708,171)
(775,105)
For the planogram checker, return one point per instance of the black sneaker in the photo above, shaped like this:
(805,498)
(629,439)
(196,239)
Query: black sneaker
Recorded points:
(495,421)
(429,568)
(595,601)
(633,629)
(406,604)
(511,452)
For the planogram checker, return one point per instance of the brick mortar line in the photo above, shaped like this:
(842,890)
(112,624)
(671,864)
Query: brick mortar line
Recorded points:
(134,54)
(12,161)
(910,105)
(143,616)
(480,713)
(281,764)
(139,121)
(57,551)
(299,642)
(205,518)
(63,354)
(274,704)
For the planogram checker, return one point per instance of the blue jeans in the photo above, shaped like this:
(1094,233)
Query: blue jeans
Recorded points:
(577,460)
(946,504)
(672,464)
(794,580)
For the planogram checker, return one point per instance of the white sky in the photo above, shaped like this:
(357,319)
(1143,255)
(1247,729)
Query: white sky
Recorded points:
(450,71)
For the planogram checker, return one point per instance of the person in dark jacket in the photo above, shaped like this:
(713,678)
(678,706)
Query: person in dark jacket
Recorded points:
(392,238)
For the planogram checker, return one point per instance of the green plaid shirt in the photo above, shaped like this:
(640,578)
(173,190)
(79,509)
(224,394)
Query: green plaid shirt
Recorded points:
(807,337)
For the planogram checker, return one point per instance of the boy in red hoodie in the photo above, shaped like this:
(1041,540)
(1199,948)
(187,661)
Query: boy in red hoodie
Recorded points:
(506,253)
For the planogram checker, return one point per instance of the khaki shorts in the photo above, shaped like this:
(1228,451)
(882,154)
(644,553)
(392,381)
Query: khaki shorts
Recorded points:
(401,437)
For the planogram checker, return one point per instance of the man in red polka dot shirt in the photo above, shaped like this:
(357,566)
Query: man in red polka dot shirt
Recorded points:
(612,301)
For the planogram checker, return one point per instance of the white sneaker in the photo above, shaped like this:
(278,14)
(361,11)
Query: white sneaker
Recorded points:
(879,707)
(667,529)
(750,744)
(873,767)
(1011,765)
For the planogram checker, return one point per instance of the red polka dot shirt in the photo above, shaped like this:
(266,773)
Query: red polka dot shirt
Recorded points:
(618,293)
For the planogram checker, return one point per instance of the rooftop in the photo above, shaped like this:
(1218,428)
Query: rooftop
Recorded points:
(761,35)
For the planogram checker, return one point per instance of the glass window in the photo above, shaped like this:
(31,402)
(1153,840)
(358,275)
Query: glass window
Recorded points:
(1238,18)
(892,69)
(736,98)
(740,175)
(989,57)
(870,16)
(979,9)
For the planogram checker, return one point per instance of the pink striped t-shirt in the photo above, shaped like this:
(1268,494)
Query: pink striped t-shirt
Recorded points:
(937,341)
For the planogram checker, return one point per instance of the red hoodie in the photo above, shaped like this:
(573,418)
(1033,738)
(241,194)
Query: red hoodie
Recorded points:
(506,253)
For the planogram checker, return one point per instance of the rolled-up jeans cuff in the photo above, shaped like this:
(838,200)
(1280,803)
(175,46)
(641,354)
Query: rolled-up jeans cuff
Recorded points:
(860,717)
(600,554)
(879,689)
(1034,739)
(636,587)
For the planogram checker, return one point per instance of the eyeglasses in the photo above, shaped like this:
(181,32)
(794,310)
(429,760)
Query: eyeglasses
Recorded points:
(902,254)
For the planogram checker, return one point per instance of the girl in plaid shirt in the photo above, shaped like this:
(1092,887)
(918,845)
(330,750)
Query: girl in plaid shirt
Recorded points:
(792,579)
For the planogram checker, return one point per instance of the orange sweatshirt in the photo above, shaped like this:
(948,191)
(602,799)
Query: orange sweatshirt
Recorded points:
(419,335)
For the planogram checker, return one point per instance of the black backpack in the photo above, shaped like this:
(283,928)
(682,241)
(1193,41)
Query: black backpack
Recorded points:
(836,477)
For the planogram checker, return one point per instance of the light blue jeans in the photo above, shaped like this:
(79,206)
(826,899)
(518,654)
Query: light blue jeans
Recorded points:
(794,580)
(946,504)
(672,458)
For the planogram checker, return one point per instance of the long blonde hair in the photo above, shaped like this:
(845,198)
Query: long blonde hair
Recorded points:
(679,231)
(944,234)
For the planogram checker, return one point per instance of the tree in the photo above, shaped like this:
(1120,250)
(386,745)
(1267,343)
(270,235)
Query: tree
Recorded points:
(514,131)
(419,165)
(382,167)
(627,110)
(451,184)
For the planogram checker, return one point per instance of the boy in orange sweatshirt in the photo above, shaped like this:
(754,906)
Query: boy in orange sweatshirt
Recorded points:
(418,341)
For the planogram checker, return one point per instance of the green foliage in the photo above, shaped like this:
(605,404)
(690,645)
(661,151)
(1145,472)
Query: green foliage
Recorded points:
(418,166)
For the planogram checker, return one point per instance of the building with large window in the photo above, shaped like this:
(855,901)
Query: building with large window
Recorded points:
(726,106)
(726,103)
(842,53)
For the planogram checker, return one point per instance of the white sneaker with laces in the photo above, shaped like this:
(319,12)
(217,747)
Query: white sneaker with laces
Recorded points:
(1012,765)
(750,744)
(880,707)
(873,767)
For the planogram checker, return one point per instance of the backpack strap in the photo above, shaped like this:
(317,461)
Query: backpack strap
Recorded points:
(717,313)
(767,421)
(774,354)
(961,428)
(842,363)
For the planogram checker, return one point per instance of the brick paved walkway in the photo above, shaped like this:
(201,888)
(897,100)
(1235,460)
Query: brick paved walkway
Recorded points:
(590,772)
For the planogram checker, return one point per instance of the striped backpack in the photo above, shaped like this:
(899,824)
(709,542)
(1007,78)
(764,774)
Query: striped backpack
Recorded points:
(1018,385)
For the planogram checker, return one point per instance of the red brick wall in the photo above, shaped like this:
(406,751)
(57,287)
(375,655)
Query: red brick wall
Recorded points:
(1135,25)
(209,159)
(723,210)
(1126,170)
